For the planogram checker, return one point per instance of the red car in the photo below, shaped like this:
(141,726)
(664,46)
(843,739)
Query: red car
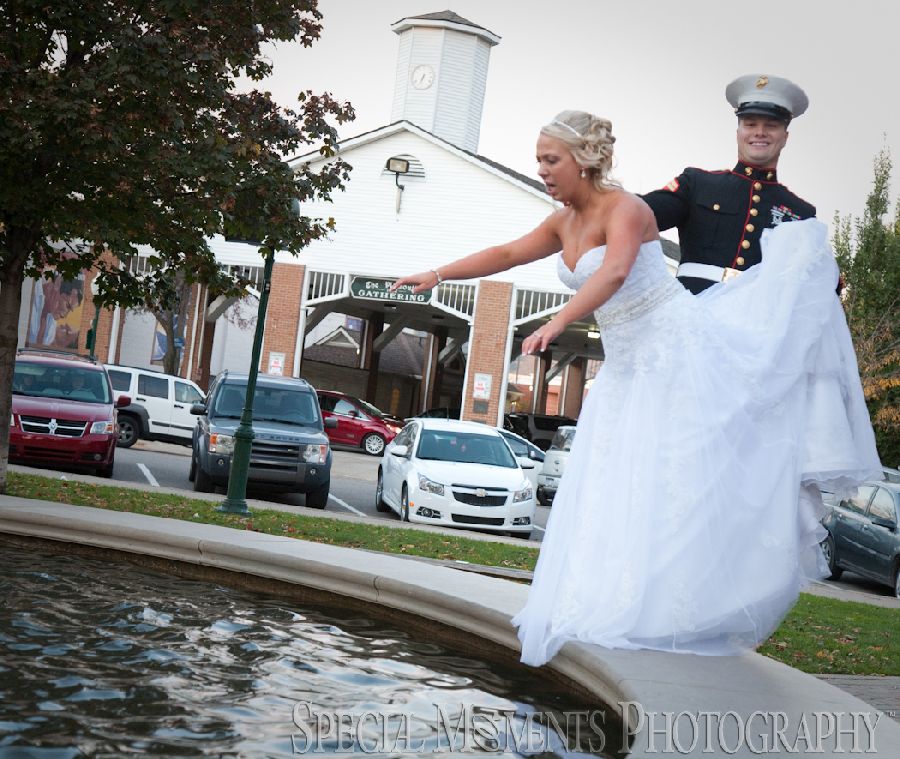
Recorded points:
(359,424)
(63,412)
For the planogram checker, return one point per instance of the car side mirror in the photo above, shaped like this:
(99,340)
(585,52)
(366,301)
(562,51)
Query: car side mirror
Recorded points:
(888,524)
(527,465)
(400,450)
(330,423)
(123,400)
(198,409)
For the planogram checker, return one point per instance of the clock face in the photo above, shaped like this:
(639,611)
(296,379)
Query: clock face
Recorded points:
(422,77)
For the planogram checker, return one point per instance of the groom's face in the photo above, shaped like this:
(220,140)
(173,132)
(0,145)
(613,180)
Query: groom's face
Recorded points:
(760,140)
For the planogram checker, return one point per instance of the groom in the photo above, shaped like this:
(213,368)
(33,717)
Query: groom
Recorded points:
(720,215)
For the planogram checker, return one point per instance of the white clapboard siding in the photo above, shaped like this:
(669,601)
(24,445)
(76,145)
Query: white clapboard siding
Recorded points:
(460,206)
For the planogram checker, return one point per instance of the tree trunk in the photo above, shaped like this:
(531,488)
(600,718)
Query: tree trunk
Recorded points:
(11,280)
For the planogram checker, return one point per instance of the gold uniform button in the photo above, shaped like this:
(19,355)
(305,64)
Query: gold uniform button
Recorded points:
(757,185)
(753,211)
(740,260)
(716,206)
(748,171)
(769,175)
(749,227)
(745,244)
(755,198)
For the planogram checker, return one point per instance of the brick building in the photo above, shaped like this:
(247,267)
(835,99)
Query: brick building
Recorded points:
(419,196)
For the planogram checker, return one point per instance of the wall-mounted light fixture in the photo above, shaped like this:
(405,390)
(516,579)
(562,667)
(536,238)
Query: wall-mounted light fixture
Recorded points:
(398,166)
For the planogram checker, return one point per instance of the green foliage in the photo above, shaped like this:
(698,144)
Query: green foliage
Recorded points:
(121,125)
(868,252)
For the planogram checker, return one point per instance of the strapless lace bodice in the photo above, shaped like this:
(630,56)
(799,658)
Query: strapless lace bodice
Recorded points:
(648,284)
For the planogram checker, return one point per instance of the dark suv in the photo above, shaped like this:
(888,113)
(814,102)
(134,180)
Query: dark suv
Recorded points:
(63,412)
(290,451)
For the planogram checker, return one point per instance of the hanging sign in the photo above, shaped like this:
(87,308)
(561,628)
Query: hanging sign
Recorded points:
(370,288)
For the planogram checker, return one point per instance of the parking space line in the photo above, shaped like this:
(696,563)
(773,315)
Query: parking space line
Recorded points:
(345,505)
(150,478)
(538,527)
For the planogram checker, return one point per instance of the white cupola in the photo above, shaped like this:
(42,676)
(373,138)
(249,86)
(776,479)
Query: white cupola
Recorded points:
(441,75)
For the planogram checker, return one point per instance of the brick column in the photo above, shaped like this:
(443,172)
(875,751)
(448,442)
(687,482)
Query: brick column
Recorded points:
(573,387)
(104,323)
(487,350)
(283,315)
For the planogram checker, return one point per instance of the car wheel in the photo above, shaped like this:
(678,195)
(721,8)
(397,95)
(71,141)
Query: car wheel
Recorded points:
(380,505)
(202,481)
(544,501)
(524,534)
(129,432)
(318,498)
(828,550)
(192,474)
(897,580)
(404,505)
(373,444)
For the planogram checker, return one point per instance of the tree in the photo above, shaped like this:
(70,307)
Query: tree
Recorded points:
(121,124)
(868,252)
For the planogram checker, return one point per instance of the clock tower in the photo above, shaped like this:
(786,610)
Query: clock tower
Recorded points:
(441,75)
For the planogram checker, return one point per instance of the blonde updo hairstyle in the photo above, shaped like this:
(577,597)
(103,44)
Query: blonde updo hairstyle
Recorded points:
(590,140)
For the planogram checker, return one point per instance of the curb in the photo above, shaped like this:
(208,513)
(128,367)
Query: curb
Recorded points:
(473,605)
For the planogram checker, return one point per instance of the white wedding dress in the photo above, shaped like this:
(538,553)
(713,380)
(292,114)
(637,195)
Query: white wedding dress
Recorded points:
(688,517)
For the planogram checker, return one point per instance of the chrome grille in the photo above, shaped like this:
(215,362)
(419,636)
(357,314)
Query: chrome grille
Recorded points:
(268,454)
(41,425)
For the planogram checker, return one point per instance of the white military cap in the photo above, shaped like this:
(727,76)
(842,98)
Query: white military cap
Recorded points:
(766,95)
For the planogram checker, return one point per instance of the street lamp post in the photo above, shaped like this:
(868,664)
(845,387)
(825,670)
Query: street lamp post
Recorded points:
(236,500)
(91,342)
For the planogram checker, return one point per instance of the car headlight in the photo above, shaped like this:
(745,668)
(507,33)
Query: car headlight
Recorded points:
(103,428)
(314,454)
(430,486)
(219,443)
(523,495)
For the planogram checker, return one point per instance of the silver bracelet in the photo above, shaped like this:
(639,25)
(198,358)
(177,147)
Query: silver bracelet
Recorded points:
(439,277)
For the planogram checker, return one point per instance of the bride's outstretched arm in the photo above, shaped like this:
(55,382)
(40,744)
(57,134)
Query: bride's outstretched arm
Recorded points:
(625,231)
(540,242)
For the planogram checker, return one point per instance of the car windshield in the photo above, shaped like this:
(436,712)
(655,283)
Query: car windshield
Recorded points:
(465,448)
(270,404)
(72,383)
(562,439)
(369,408)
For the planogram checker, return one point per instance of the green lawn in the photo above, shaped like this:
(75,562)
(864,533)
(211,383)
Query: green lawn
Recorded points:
(820,635)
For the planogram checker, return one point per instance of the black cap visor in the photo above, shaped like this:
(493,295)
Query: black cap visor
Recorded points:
(762,108)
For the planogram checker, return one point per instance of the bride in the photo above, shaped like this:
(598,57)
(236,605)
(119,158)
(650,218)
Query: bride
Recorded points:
(688,516)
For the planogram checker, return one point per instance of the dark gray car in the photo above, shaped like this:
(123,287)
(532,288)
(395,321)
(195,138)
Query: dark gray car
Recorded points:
(290,451)
(863,534)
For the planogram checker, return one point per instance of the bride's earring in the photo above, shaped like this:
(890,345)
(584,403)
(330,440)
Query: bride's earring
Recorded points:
(583,174)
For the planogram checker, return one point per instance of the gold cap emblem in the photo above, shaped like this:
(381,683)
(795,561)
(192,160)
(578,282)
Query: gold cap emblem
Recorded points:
(762,82)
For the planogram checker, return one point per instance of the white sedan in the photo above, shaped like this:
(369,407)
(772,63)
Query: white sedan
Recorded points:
(455,474)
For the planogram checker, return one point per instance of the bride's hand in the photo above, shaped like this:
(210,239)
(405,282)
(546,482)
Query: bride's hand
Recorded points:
(422,281)
(540,339)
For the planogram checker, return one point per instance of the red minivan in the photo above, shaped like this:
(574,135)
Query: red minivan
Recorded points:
(63,412)
(359,424)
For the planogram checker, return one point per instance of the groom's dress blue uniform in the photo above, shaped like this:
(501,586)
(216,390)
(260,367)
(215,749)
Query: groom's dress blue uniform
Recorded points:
(720,216)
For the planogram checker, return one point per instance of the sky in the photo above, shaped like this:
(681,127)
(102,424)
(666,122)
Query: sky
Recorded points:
(656,68)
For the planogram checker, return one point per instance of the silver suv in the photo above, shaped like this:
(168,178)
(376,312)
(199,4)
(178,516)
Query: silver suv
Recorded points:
(290,451)
(160,407)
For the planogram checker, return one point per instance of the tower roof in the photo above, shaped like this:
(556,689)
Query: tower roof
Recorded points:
(446,19)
